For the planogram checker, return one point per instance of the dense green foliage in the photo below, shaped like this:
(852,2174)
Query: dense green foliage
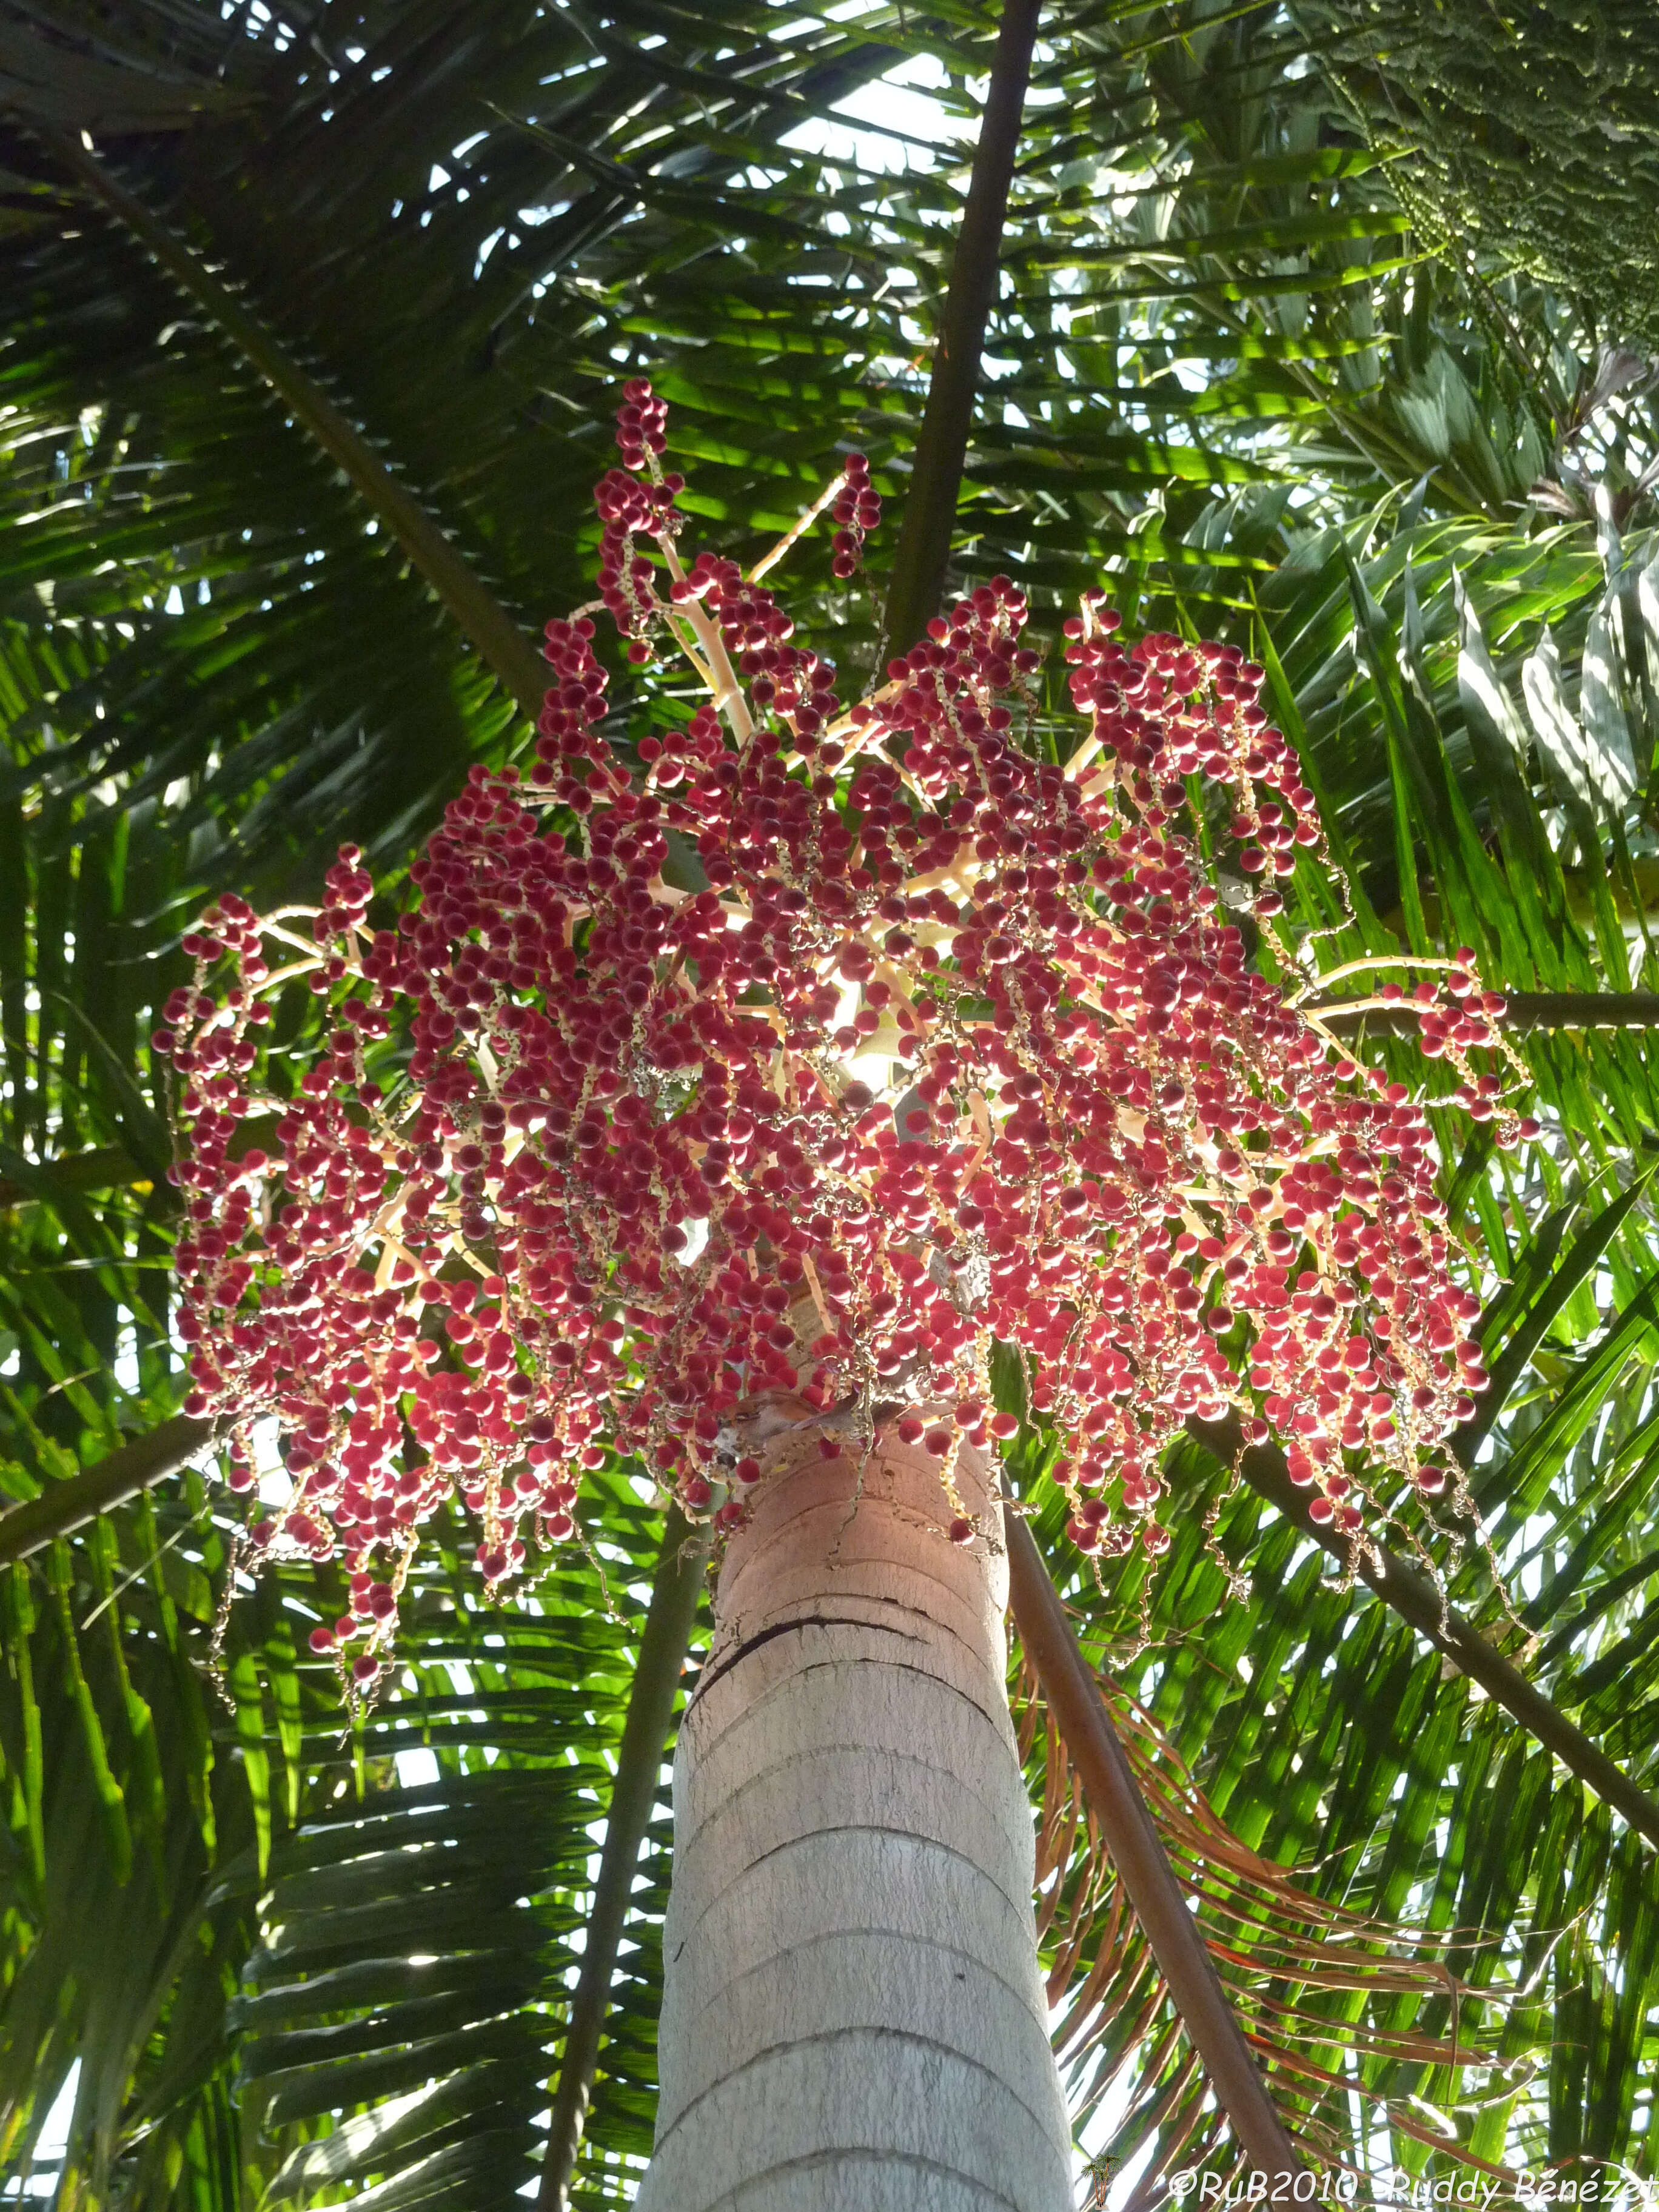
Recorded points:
(1530,133)
(1225,376)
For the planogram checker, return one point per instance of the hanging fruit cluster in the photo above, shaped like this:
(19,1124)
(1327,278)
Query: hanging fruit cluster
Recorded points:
(955,1046)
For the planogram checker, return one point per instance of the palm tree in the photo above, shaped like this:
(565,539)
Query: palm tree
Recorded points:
(1362,434)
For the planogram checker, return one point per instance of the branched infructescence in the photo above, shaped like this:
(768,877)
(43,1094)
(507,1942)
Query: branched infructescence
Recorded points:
(956,1046)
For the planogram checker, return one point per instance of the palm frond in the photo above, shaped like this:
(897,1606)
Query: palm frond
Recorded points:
(1335,2005)
(1225,373)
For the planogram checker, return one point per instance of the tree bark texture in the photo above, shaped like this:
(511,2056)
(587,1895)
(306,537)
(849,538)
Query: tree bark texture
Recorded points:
(853,2019)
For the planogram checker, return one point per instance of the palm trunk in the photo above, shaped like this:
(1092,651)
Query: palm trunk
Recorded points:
(853,2014)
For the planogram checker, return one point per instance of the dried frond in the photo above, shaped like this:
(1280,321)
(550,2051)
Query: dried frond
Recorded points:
(1367,2034)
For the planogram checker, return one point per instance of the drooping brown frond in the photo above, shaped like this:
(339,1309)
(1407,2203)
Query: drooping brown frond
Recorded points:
(1339,2005)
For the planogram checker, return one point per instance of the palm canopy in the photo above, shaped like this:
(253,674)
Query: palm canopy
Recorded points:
(309,363)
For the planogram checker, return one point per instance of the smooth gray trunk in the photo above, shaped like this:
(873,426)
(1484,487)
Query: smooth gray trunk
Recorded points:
(853,2019)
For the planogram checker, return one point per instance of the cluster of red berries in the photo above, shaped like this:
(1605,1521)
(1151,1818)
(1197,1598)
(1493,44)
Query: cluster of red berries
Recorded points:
(629,509)
(957,1046)
(785,682)
(641,425)
(856,513)
(1455,1021)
